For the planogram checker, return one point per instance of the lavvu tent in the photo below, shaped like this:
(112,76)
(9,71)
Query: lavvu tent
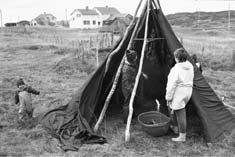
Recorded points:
(154,40)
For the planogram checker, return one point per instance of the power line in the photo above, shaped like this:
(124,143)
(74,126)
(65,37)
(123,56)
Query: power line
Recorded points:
(229,16)
(66,16)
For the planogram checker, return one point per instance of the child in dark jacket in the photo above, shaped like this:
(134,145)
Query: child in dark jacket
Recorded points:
(129,72)
(194,58)
(23,98)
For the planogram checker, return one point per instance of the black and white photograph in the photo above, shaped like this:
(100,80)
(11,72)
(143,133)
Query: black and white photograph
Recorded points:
(125,78)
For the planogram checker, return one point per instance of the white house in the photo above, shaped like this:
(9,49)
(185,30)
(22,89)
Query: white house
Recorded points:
(84,18)
(91,18)
(33,22)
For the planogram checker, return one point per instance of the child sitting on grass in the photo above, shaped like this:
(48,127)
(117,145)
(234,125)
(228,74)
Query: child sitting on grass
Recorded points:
(23,98)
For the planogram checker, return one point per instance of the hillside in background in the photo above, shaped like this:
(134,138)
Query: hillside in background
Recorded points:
(205,19)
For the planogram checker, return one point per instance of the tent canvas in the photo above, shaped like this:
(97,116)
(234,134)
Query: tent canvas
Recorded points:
(71,123)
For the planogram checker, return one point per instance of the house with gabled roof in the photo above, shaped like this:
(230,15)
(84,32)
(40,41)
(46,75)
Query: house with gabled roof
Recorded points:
(23,23)
(91,18)
(84,19)
(116,24)
(106,12)
(46,19)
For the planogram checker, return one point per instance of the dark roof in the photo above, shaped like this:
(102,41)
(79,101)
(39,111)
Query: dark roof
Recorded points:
(123,16)
(44,15)
(10,24)
(107,10)
(85,11)
(23,22)
(105,28)
(109,26)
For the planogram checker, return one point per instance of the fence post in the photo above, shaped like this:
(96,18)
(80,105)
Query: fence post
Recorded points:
(97,52)
(112,39)
(181,40)
(90,42)
(203,49)
(82,50)
(234,60)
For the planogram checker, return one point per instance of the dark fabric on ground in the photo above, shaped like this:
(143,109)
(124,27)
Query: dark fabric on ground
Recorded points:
(71,123)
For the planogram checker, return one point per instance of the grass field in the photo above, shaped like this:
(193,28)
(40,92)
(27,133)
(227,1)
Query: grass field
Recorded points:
(214,48)
(55,70)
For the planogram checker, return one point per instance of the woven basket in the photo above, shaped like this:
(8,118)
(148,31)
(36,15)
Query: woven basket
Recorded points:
(154,123)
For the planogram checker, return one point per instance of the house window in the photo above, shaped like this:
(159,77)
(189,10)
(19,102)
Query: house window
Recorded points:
(94,22)
(86,22)
(98,23)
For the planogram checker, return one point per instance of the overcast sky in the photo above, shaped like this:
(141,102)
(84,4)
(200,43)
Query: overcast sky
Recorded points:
(15,10)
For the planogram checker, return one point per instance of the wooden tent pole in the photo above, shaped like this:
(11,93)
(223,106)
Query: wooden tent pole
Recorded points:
(127,131)
(158,3)
(232,107)
(155,5)
(101,117)
(102,114)
(124,38)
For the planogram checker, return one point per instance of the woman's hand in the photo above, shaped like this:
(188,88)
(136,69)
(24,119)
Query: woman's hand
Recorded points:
(145,75)
(168,103)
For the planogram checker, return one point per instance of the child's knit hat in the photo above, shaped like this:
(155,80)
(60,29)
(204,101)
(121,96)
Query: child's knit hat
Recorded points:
(20,82)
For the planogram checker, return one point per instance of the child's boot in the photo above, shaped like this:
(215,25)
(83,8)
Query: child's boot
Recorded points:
(181,138)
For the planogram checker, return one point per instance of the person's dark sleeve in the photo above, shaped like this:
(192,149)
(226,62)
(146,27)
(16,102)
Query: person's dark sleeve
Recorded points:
(33,91)
(17,97)
(200,68)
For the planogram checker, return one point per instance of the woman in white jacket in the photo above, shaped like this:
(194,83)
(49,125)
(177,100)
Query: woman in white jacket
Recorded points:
(179,90)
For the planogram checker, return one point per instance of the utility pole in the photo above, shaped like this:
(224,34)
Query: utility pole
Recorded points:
(229,16)
(198,18)
(66,17)
(198,15)
(1,16)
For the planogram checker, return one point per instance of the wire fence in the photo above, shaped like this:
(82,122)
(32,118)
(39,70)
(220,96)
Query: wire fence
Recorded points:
(87,44)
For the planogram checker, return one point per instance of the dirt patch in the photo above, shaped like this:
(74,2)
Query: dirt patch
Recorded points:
(70,65)
(39,47)
(4,107)
(64,51)
(34,135)
(3,154)
(208,33)
(2,111)
(7,89)
(8,82)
